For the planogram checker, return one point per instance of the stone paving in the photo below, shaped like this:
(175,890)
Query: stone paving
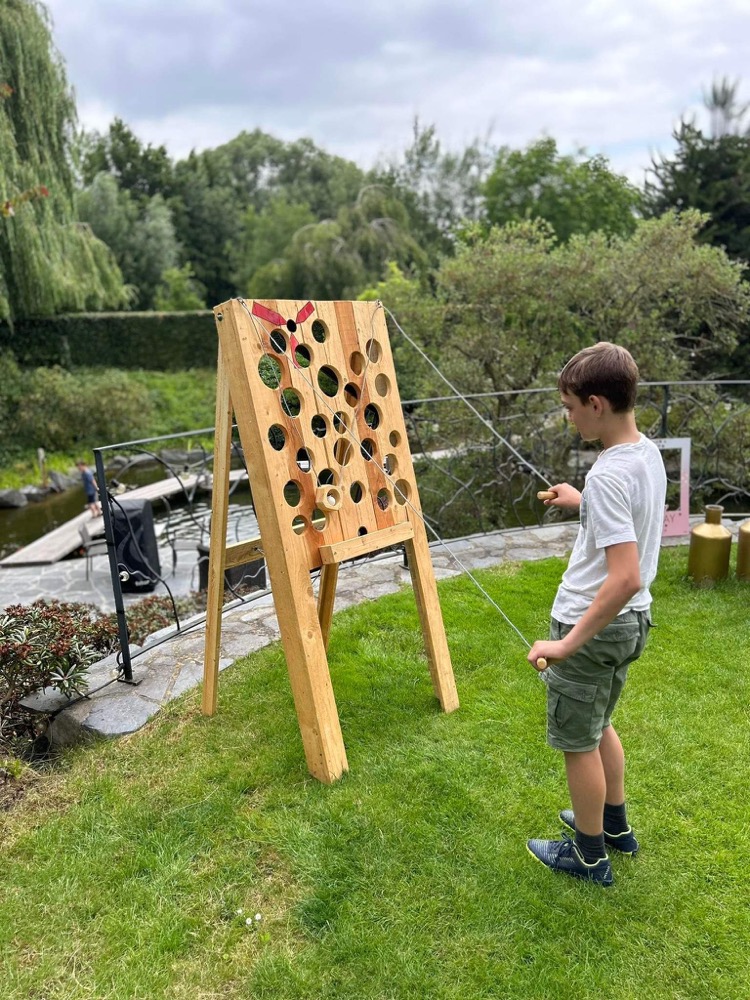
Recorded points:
(171,662)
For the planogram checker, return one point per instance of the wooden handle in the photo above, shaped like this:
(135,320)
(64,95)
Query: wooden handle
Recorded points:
(546,495)
(541,664)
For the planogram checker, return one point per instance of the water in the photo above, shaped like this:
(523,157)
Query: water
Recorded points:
(20,526)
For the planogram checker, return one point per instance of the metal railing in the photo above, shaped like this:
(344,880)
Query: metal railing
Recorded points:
(470,482)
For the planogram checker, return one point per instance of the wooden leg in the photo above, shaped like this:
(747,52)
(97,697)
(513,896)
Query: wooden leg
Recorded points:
(431,617)
(217,549)
(326,597)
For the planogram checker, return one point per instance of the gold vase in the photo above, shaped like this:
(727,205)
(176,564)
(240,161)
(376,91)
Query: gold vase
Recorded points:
(743,551)
(710,546)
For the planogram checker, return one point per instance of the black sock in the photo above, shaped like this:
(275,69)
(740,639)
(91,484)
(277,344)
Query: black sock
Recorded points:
(591,847)
(614,818)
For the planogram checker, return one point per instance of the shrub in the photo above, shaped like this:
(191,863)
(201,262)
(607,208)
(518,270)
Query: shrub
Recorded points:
(45,645)
(154,613)
(59,409)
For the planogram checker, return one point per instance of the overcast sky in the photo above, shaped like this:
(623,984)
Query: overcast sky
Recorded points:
(611,75)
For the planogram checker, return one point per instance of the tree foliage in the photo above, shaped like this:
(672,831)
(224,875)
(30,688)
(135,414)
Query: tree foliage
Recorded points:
(575,194)
(516,304)
(48,263)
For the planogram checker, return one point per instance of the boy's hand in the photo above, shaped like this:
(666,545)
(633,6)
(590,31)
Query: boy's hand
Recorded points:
(566,496)
(550,650)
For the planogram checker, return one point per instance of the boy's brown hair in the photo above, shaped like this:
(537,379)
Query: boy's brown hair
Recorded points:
(602,370)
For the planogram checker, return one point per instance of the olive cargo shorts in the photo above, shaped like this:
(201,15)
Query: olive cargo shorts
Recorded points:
(583,690)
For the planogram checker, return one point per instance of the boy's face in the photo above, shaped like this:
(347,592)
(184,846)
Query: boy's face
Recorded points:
(582,415)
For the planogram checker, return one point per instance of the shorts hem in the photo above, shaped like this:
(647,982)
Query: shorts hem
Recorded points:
(557,745)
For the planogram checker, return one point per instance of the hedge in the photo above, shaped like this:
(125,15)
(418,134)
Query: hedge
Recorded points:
(150,340)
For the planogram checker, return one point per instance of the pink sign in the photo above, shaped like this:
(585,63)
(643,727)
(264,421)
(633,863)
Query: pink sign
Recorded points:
(677,522)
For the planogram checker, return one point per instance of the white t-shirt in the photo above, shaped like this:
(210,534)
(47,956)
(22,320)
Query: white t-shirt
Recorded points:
(622,501)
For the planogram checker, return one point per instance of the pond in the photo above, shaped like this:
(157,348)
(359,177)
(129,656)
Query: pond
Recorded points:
(22,525)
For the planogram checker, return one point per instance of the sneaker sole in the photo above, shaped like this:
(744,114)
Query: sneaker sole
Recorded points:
(609,841)
(561,871)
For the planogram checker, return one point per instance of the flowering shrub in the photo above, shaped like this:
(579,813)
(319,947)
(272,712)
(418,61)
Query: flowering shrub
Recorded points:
(46,645)
(154,613)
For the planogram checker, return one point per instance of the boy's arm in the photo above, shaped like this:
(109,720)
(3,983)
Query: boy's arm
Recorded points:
(567,496)
(622,582)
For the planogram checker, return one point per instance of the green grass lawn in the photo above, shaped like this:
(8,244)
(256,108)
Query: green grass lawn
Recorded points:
(131,872)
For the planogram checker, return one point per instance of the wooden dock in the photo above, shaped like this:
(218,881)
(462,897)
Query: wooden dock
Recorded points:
(61,541)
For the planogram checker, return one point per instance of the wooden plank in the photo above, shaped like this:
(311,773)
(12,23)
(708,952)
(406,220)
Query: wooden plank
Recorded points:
(326,596)
(242,552)
(350,548)
(217,541)
(431,618)
(61,541)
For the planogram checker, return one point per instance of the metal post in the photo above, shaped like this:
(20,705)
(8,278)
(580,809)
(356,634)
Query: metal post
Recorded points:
(122,626)
(664,432)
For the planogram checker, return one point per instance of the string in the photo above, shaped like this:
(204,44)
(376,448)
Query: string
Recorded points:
(461,396)
(404,498)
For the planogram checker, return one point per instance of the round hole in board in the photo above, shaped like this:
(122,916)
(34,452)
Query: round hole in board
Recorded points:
(357,363)
(390,465)
(319,331)
(373,351)
(342,451)
(292,493)
(367,449)
(351,394)
(278,341)
(291,404)
(318,519)
(304,462)
(276,437)
(340,422)
(356,492)
(269,370)
(298,524)
(302,355)
(361,531)
(319,426)
(384,499)
(395,439)
(328,380)
(326,477)
(372,416)
(382,385)
(403,491)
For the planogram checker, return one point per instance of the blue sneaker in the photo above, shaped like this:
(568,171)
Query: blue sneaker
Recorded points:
(624,842)
(564,856)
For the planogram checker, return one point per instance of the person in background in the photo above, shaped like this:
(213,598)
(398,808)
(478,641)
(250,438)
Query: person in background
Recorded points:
(89,488)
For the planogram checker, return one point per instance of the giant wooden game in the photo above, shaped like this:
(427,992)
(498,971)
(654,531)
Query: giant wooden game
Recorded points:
(313,391)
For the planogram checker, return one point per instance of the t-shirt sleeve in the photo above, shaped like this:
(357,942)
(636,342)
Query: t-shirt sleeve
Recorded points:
(609,511)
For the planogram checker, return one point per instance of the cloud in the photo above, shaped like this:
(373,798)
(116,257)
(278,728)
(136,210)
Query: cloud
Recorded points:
(611,76)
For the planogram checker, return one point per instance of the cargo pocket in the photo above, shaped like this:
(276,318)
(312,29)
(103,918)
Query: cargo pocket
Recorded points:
(570,705)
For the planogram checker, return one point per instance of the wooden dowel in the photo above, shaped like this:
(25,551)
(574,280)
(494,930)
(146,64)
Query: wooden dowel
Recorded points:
(541,664)
(546,495)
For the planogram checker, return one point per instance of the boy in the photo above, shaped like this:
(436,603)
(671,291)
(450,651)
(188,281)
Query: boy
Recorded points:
(89,488)
(600,616)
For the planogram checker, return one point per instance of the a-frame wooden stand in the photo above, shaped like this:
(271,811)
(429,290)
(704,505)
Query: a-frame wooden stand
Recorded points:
(313,391)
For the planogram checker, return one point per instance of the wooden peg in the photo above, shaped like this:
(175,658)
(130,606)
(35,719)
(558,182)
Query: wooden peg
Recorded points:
(546,495)
(541,664)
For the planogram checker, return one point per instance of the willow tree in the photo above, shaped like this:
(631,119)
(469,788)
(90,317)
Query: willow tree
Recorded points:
(49,263)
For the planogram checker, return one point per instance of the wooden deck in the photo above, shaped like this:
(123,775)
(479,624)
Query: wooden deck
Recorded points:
(61,541)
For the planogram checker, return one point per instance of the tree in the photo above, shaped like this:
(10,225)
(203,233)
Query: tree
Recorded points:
(575,194)
(335,258)
(144,171)
(441,190)
(139,231)
(48,263)
(179,291)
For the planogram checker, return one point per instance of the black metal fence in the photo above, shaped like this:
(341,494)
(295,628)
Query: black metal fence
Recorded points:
(479,466)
